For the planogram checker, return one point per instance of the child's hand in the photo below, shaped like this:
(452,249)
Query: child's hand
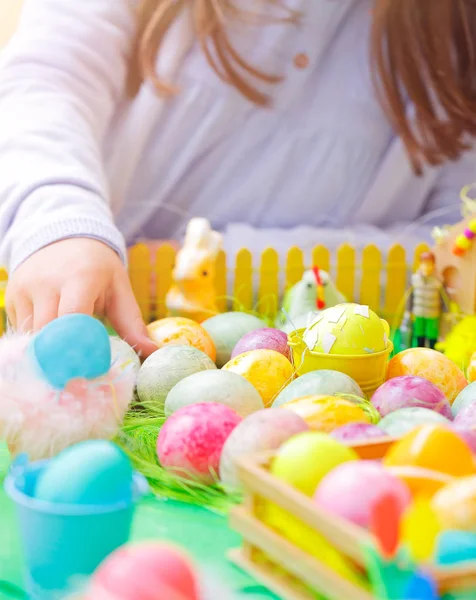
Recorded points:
(78,275)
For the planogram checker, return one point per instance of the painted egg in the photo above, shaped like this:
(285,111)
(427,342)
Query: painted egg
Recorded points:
(431,365)
(263,339)
(326,413)
(267,370)
(224,387)
(468,435)
(227,329)
(352,490)
(191,441)
(422,483)
(319,383)
(435,447)
(404,420)
(349,329)
(145,571)
(455,504)
(466,418)
(164,369)
(179,331)
(456,547)
(266,429)
(466,397)
(410,391)
(95,472)
(124,355)
(357,432)
(305,459)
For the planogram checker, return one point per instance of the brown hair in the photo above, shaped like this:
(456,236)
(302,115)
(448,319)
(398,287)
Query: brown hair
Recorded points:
(427,257)
(422,56)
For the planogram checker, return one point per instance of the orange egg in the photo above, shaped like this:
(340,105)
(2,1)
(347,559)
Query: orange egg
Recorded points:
(434,447)
(421,482)
(326,413)
(430,365)
(179,331)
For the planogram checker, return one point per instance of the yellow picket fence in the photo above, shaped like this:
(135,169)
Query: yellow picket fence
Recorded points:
(257,283)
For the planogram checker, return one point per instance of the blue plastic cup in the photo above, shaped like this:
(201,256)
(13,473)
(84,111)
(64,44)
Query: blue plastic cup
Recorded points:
(65,543)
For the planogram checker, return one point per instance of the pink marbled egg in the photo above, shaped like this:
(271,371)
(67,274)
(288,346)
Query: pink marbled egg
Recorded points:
(352,490)
(263,339)
(409,391)
(191,440)
(467,417)
(355,432)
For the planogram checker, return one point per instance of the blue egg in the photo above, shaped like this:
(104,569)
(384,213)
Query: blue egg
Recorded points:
(456,547)
(421,586)
(95,473)
(72,347)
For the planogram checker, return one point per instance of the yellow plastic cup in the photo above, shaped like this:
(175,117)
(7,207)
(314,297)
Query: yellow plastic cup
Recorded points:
(368,370)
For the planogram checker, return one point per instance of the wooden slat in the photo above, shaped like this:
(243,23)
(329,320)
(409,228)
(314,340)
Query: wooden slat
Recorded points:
(140,271)
(268,286)
(221,282)
(294,267)
(164,265)
(321,258)
(370,285)
(243,284)
(345,278)
(396,282)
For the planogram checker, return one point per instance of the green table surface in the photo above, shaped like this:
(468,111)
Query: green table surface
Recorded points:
(204,534)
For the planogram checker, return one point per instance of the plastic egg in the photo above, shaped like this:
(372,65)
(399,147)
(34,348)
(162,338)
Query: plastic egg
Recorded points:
(191,441)
(431,365)
(224,387)
(455,504)
(124,355)
(263,339)
(145,571)
(266,429)
(305,459)
(456,547)
(466,418)
(419,530)
(433,447)
(164,369)
(267,370)
(357,432)
(324,383)
(95,472)
(410,391)
(227,329)
(349,329)
(404,420)
(466,397)
(352,490)
(179,331)
(326,413)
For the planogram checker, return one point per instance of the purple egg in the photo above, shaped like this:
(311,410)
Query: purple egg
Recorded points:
(354,432)
(410,392)
(468,435)
(466,419)
(263,339)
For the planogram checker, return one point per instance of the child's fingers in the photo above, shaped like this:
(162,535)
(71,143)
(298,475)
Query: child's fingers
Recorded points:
(124,314)
(45,309)
(77,297)
(23,310)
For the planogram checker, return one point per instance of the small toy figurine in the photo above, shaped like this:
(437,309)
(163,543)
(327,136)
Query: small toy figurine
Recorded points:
(426,297)
(315,292)
(193,292)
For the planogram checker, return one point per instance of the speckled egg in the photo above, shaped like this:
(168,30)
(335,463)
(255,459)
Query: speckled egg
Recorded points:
(123,354)
(266,429)
(466,397)
(191,440)
(318,383)
(221,386)
(455,505)
(267,370)
(431,365)
(404,420)
(263,339)
(410,391)
(227,329)
(164,369)
(178,331)
(352,490)
(358,432)
(326,413)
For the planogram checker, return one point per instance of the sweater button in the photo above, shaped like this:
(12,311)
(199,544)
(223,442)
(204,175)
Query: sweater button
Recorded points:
(301,60)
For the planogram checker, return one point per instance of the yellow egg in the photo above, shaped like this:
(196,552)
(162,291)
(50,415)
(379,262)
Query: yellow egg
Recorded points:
(455,505)
(179,331)
(326,413)
(267,370)
(349,329)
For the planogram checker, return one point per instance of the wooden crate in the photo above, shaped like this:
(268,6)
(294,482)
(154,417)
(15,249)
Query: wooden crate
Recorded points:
(289,571)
